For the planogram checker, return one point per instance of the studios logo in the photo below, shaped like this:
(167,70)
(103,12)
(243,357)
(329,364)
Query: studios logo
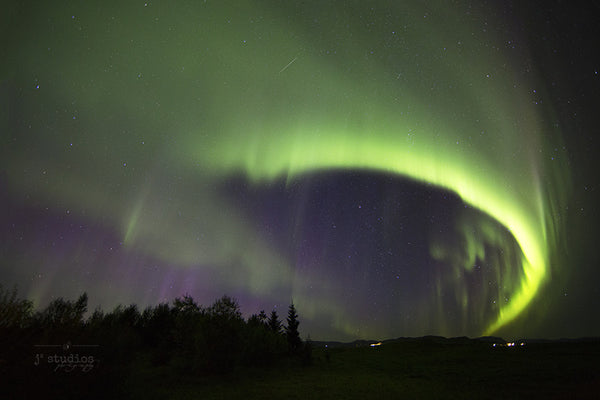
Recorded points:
(68,360)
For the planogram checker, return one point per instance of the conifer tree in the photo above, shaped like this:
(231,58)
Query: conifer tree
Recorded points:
(274,323)
(291,331)
(262,317)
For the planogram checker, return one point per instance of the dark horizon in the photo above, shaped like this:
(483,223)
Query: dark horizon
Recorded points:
(88,315)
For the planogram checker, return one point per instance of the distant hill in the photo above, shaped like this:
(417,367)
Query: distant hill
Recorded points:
(462,340)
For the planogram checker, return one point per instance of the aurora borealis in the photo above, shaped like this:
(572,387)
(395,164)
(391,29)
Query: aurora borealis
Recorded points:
(396,169)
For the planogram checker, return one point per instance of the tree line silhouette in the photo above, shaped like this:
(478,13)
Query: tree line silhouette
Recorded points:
(182,336)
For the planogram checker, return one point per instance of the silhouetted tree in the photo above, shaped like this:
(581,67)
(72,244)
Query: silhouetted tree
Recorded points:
(274,323)
(226,308)
(64,313)
(221,336)
(16,317)
(189,353)
(119,334)
(262,345)
(14,312)
(158,319)
(94,326)
(158,324)
(262,316)
(254,321)
(96,317)
(291,331)
(186,305)
(127,316)
(61,321)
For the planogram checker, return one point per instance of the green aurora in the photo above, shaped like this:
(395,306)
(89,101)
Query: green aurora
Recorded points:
(115,105)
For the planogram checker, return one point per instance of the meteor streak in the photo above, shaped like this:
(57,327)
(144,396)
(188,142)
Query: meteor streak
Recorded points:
(290,63)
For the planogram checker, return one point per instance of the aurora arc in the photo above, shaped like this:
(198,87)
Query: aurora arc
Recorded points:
(528,228)
(522,208)
(421,92)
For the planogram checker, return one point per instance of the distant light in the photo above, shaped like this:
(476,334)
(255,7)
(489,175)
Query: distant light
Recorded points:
(375,344)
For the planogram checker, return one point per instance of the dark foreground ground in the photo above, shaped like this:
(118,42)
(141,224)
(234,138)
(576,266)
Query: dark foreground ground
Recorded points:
(425,368)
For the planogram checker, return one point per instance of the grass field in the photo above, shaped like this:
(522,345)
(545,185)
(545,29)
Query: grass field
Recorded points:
(401,370)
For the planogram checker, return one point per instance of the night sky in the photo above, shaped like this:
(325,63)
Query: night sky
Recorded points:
(393,168)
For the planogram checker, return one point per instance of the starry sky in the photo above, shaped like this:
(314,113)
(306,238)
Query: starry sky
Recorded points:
(393,168)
